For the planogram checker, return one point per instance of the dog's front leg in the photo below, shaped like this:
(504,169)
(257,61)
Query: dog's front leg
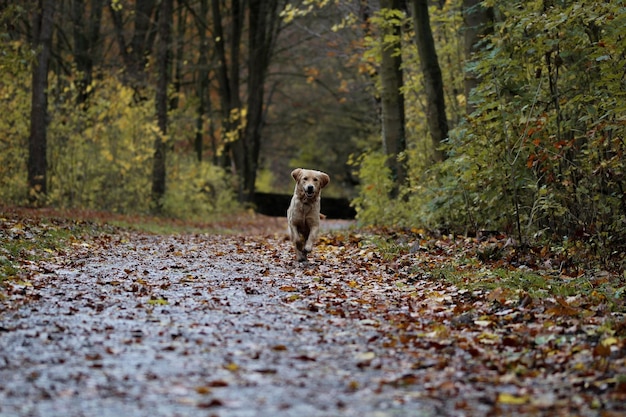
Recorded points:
(308,246)
(298,243)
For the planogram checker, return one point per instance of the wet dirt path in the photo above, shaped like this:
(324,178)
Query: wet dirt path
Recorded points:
(191,325)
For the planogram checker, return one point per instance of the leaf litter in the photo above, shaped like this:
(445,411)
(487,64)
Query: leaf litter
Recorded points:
(132,323)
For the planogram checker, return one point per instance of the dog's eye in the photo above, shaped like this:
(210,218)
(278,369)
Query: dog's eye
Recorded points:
(315,179)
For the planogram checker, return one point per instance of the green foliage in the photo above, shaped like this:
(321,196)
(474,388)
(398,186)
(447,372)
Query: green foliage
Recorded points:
(536,284)
(100,153)
(14,54)
(264,180)
(100,156)
(23,242)
(197,191)
(374,205)
(550,114)
(14,125)
(15,57)
(425,198)
(543,153)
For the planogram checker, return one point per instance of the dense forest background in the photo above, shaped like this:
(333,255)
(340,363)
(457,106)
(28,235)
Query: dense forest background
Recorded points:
(459,115)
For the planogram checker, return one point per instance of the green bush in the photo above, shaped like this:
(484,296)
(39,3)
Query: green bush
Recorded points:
(197,191)
(100,153)
(373,204)
(100,156)
(14,128)
(550,109)
(542,155)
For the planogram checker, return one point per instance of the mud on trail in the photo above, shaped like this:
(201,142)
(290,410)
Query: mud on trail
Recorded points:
(135,324)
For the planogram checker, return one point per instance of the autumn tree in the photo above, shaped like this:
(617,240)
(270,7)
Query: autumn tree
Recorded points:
(42,27)
(321,106)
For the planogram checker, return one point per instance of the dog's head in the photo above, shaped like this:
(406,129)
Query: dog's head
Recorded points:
(309,182)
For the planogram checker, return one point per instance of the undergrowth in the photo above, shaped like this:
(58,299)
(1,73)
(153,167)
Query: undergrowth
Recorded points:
(24,242)
(496,266)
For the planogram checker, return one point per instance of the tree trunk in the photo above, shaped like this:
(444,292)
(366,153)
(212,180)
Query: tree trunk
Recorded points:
(228,79)
(203,78)
(241,127)
(477,22)
(179,54)
(135,54)
(433,83)
(37,143)
(263,28)
(163,64)
(86,37)
(392,100)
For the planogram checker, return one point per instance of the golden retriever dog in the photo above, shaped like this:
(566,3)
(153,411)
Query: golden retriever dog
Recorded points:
(303,215)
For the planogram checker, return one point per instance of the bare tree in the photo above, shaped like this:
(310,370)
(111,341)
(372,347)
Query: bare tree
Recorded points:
(228,70)
(135,53)
(433,82)
(163,63)
(391,97)
(204,104)
(243,146)
(86,37)
(42,27)
(264,24)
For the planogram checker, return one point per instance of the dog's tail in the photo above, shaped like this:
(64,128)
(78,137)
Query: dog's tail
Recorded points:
(322,216)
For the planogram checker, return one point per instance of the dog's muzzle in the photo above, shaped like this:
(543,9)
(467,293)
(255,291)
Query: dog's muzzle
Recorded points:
(309,191)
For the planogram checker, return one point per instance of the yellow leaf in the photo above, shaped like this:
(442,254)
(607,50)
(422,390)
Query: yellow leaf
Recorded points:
(203,390)
(233,367)
(292,298)
(609,341)
(353,385)
(487,338)
(158,302)
(510,399)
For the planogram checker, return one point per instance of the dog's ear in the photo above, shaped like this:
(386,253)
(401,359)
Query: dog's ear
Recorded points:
(296,173)
(325,179)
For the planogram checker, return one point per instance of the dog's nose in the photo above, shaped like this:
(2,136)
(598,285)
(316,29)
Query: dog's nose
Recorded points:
(310,189)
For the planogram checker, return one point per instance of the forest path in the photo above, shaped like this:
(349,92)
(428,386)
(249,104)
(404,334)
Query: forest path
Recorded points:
(136,324)
(161,326)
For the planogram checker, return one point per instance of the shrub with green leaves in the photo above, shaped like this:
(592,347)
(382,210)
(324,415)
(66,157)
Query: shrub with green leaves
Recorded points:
(543,152)
(550,114)
(100,154)
(197,191)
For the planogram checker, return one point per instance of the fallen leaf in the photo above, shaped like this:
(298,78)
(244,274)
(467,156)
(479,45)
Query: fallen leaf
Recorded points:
(510,399)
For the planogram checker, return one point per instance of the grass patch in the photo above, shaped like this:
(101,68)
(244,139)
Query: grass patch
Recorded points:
(27,240)
(487,266)
(538,284)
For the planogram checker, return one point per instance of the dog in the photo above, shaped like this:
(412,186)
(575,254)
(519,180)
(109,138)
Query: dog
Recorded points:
(303,215)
